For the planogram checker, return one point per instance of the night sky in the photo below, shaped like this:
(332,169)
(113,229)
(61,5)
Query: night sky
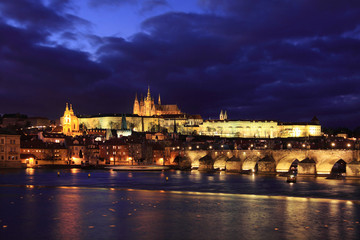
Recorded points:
(267,59)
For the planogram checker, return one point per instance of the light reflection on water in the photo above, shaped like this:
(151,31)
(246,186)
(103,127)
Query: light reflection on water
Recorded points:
(219,206)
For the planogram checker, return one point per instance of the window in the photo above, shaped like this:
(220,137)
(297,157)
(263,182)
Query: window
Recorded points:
(2,141)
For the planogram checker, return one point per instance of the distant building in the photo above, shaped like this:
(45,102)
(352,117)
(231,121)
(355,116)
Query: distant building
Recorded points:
(258,128)
(9,149)
(38,122)
(76,149)
(51,137)
(36,152)
(150,117)
(70,122)
(115,152)
(147,107)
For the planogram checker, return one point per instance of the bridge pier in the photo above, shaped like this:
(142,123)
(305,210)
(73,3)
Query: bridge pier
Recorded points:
(307,167)
(353,169)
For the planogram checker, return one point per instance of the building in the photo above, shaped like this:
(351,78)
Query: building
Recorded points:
(76,149)
(147,107)
(36,152)
(9,149)
(70,122)
(115,151)
(51,137)
(150,117)
(258,128)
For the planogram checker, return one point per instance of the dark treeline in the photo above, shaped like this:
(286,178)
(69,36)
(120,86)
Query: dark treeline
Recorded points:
(338,130)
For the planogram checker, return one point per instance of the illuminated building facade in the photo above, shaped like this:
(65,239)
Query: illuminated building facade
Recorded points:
(36,153)
(70,122)
(115,152)
(147,107)
(9,149)
(150,117)
(258,128)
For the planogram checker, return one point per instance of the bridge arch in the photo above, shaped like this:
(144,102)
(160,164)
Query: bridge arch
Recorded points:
(338,168)
(331,166)
(250,162)
(285,164)
(220,162)
(206,163)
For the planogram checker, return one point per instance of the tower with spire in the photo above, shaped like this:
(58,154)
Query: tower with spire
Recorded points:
(147,107)
(136,105)
(223,115)
(70,122)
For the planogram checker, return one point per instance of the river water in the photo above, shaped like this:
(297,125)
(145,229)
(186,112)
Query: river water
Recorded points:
(39,204)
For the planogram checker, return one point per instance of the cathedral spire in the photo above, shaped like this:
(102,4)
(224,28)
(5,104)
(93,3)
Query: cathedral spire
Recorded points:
(148,93)
(159,101)
(221,115)
(67,107)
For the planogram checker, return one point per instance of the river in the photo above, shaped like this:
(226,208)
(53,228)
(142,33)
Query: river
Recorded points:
(39,204)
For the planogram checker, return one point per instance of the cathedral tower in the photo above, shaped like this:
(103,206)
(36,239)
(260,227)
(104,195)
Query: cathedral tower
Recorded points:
(221,115)
(70,122)
(136,106)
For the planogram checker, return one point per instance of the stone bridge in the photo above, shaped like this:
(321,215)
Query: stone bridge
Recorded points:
(309,162)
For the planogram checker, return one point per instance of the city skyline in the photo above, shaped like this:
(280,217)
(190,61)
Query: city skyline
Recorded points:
(280,60)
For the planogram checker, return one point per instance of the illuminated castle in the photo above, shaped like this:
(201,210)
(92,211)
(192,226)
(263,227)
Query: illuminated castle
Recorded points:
(147,107)
(70,122)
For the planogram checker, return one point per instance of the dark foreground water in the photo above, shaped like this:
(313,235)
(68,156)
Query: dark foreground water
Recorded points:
(37,204)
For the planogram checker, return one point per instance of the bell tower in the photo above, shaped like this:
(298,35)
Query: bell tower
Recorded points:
(69,122)
(136,109)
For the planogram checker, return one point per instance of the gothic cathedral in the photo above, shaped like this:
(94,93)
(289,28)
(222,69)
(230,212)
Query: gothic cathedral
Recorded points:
(147,107)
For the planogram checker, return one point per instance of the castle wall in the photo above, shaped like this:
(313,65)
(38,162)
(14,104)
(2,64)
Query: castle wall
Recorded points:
(256,129)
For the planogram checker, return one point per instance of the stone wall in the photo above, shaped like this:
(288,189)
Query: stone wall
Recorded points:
(306,168)
(11,164)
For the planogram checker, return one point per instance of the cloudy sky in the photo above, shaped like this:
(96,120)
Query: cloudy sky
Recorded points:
(266,59)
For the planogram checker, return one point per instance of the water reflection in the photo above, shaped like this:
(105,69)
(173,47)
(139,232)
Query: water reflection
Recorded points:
(30,171)
(75,170)
(71,215)
(70,212)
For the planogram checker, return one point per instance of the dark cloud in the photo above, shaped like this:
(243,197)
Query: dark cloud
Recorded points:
(143,5)
(282,60)
(33,14)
